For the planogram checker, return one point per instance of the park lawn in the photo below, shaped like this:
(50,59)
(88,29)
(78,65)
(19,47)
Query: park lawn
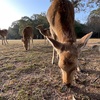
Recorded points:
(31,76)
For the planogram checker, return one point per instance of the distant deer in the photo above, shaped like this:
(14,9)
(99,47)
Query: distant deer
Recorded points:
(3,34)
(27,35)
(44,31)
(60,16)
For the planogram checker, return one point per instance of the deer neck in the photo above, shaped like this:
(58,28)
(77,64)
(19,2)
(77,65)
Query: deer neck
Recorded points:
(68,38)
(64,36)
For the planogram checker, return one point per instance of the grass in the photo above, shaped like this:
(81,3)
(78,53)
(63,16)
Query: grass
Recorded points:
(31,76)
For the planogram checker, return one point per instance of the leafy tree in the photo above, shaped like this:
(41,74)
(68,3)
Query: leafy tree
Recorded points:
(82,4)
(93,22)
(17,26)
(79,29)
(23,22)
(13,31)
(39,19)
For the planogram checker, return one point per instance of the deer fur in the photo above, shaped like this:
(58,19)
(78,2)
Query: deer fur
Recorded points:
(60,16)
(27,35)
(3,34)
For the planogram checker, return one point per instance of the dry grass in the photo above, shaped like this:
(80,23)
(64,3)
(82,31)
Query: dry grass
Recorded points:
(31,76)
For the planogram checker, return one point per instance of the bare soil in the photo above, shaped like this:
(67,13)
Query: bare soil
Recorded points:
(31,76)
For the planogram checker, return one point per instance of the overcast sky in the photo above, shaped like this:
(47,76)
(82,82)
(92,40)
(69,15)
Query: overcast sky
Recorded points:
(12,10)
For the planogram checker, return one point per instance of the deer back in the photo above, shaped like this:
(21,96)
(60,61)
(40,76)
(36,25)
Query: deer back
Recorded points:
(3,32)
(60,16)
(27,32)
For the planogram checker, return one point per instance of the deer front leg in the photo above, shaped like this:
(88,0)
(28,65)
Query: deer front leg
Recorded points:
(3,41)
(54,37)
(32,42)
(53,56)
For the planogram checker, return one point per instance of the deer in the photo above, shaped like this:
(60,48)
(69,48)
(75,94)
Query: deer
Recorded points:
(27,34)
(60,16)
(3,34)
(44,31)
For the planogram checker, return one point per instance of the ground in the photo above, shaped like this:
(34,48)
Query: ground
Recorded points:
(31,76)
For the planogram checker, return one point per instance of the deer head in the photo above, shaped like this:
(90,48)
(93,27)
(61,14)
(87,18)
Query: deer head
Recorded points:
(25,43)
(68,56)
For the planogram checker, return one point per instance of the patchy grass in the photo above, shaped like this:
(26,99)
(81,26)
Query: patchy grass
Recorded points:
(31,76)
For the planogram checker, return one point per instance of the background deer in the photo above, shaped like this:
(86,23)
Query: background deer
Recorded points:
(60,16)
(3,34)
(44,31)
(27,35)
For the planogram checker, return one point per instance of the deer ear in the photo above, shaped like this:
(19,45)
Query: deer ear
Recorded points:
(83,41)
(54,43)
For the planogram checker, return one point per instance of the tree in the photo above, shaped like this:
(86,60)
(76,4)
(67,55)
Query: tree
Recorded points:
(39,19)
(17,26)
(23,22)
(94,21)
(13,31)
(79,29)
(83,4)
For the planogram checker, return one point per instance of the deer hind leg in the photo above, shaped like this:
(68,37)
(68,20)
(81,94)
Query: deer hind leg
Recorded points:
(32,42)
(6,40)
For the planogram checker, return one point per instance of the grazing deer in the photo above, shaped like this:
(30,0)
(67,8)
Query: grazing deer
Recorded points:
(3,34)
(60,16)
(27,35)
(44,31)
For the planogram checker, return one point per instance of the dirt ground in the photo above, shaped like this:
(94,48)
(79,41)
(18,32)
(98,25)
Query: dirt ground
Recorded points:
(31,76)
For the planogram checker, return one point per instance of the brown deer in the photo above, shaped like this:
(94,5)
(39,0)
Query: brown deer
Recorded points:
(27,35)
(44,31)
(3,34)
(60,16)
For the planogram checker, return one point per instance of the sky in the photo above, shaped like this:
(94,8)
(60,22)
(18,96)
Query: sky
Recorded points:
(12,10)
